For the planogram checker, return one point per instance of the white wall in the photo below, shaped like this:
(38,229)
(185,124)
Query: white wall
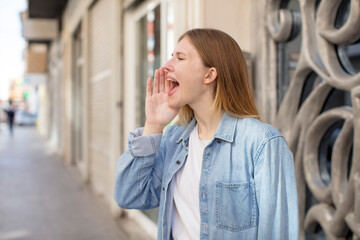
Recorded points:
(232,17)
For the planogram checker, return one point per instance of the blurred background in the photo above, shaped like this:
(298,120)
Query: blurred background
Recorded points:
(73,76)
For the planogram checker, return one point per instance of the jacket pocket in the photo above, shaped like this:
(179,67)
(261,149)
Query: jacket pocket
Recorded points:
(235,206)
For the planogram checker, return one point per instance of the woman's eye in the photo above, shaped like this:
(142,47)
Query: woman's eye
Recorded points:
(179,58)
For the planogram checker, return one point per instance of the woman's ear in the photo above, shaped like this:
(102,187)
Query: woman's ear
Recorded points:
(210,76)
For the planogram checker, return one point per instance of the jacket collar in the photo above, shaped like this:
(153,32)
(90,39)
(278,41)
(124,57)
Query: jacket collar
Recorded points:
(225,130)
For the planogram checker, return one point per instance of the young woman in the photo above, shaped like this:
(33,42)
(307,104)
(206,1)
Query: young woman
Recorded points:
(219,173)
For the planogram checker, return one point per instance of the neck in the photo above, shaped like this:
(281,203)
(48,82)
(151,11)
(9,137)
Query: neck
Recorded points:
(208,122)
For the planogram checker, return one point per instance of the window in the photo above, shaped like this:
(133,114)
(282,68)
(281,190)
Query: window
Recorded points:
(148,59)
(149,42)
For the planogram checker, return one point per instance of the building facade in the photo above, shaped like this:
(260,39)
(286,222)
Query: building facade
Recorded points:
(303,57)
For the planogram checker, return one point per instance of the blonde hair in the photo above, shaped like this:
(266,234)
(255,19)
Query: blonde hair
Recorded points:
(233,92)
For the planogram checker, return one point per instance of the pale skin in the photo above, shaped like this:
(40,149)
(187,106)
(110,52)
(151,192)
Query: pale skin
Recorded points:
(195,88)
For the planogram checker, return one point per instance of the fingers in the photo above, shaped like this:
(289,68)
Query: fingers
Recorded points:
(160,84)
(162,79)
(156,82)
(148,87)
(167,84)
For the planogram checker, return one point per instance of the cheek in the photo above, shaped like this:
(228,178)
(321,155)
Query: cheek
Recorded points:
(189,74)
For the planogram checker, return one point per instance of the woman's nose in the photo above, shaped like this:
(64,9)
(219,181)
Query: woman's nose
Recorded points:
(168,66)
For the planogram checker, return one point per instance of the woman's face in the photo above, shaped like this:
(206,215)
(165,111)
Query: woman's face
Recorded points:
(186,72)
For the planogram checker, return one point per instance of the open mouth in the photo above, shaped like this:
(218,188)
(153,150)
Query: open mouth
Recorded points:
(173,86)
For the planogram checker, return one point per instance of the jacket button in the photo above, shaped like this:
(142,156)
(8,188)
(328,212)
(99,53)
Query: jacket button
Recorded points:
(218,141)
(178,162)
(163,189)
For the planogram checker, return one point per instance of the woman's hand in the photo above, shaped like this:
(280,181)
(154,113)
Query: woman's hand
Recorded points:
(157,109)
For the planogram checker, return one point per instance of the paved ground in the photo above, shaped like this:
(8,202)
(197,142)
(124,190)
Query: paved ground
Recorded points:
(41,198)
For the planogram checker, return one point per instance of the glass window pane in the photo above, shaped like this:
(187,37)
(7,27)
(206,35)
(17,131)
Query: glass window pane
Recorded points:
(148,59)
(170,29)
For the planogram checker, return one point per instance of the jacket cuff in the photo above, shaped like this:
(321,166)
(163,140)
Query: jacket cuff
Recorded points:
(142,146)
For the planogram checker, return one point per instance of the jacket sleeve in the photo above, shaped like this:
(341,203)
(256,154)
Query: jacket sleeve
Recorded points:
(276,192)
(139,172)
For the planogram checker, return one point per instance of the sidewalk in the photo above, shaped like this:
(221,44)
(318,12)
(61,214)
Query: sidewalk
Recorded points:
(41,198)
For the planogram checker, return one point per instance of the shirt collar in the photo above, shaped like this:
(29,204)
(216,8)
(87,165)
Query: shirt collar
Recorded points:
(225,130)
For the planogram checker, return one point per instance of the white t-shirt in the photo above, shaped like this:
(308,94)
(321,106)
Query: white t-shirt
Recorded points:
(186,212)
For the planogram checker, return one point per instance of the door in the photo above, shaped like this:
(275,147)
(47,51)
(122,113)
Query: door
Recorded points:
(100,29)
(76,123)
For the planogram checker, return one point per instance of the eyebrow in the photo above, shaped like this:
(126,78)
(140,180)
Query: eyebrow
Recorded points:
(178,53)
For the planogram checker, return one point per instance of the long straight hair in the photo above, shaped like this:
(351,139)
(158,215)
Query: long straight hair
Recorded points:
(233,92)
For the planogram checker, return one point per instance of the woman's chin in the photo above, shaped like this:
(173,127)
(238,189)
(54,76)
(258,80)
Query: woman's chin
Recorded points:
(174,104)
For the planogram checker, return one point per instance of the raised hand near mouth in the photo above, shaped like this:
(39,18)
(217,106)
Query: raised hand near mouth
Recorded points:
(157,109)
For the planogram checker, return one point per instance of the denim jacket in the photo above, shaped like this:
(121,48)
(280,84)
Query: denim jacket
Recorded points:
(247,188)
